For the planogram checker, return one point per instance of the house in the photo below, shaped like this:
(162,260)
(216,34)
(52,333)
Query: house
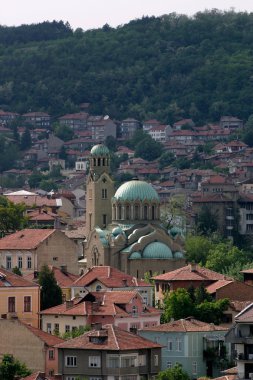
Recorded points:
(149,124)
(241,336)
(63,278)
(30,345)
(160,132)
(37,119)
(109,352)
(128,127)
(188,342)
(19,298)
(185,277)
(7,117)
(182,123)
(104,278)
(75,121)
(30,249)
(102,129)
(231,122)
(124,309)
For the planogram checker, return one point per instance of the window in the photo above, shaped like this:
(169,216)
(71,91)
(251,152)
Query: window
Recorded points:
(134,311)
(67,328)
(249,216)
(170,347)
(98,288)
(249,227)
(156,360)
(104,193)
(142,360)
(55,258)
(128,361)
(20,262)
(56,328)
(194,368)
(113,362)
(29,262)
(169,364)
(8,262)
(11,304)
(94,361)
(49,328)
(70,361)
(178,344)
(27,304)
(72,378)
(51,354)
(104,219)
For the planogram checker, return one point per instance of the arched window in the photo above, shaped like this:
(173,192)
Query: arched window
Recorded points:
(145,210)
(103,161)
(99,161)
(94,161)
(136,212)
(127,212)
(153,212)
(119,212)
(114,212)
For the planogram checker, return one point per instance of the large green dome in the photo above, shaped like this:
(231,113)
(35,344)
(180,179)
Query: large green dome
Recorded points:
(99,150)
(136,190)
(157,250)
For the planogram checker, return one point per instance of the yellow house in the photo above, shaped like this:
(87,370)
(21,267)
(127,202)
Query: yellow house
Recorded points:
(19,298)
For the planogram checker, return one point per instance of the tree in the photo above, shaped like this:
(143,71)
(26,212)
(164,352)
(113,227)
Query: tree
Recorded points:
(76,332)
(148,149)
(174,373)
(207,221)
(111,143)
(197,248)
(64,132)
(35,179)
(177,304)
(223,256)
(166,159)
(51,294)
(11,216)
(11,368)
(17,271)
(211,312)
(26,140)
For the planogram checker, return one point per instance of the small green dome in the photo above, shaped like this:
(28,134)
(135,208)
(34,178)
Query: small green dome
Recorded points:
(157,250)
(175,231)
(136,190)
(117,231)
(178,255)
(99,150)
(135,256)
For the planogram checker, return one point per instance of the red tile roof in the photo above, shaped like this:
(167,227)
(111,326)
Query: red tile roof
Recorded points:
(186,325)
(110,277)
(37,376)
(217,285)
(246,315)
(8,279)
(49,339)
(190,273)
(117,340)
(32,200)
(63,279)
(25,239)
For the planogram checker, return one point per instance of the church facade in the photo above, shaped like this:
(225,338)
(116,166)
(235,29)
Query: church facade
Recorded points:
(123,228)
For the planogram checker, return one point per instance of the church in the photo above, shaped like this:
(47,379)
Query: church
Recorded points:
(123,228)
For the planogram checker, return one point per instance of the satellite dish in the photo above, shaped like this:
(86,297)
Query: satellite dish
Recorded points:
(106,117)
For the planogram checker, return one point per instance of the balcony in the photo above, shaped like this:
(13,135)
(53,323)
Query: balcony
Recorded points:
(230,217)
(244,357)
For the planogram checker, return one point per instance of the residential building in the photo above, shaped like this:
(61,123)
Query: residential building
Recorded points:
(128,128)
(7,117)
(19,298)
(241,336)
(75,121)
(109,353)
(30,345)
(102,129)
(160,132)
(124,309)
(182,123)
(149,124)
(231,122)
(185,277)
(105,278)
(30,249)
(190,343)
(37,119)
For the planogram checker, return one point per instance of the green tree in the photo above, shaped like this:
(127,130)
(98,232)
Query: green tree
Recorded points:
(17,271)
(223,256)
(11,216)
(177,304)
(26,140)
(206,221)
(48,185)
(148,149)
(76,332)
(11,368)
(197,248)
(166,159)
(64,132)
(111,143)
(211,312)
(51,294)
(201,295)
(35,179)
(174,373)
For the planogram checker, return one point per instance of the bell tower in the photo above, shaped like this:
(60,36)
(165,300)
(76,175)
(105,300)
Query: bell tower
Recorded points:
(99,189)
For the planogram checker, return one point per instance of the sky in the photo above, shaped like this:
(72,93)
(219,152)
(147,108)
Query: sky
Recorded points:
(92,14)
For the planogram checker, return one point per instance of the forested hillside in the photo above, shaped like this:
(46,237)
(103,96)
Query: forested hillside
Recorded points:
(167,67)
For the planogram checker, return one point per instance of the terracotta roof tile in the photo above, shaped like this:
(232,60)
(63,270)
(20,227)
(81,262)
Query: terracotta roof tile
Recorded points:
(117,340)
(8,279)
(110,277)
(217,285)
(25,239)
(186,325)
(190,273)
(49,339)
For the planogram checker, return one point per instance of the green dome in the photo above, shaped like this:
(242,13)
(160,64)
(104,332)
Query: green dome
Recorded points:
(135,255)
(116,231)
(157,250)
(136,190)
(175,231)
(99,150)
(178,255)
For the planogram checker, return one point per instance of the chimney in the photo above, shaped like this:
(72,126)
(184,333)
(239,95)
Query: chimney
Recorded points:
(69,304)
(96,326)
(124,280)
(193,267)
(63,269)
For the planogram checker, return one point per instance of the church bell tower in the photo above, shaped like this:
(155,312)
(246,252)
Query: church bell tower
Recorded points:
(99,189)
